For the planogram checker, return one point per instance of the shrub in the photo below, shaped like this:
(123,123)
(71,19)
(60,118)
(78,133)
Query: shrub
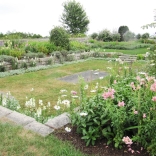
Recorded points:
(128,36)
(59,37)
(94,35)
(105,36)
(76,45)
(115,36)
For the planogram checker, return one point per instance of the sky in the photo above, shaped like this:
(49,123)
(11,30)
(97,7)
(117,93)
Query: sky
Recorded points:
(40,16)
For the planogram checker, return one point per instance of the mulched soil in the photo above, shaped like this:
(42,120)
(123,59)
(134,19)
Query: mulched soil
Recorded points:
(100,148)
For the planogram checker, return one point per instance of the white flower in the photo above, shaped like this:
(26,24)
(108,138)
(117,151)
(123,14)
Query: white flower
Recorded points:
(74,96)
(126,67)
(83,114)
(32,89)
(67,129)
(147,54)
(39,112)
(63,95)
(101,77)
(152,64)
(63,90)
(48,104)
(93,91)
(44,107)
(56,107)
(142,73)
(86,87)
(66,102)
(109,68)
(40,102)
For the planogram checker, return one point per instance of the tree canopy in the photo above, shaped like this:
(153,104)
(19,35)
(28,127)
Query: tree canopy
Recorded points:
(121,31)
(74,17)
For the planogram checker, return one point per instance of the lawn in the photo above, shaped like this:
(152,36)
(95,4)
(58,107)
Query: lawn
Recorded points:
(16,141)
(46,84)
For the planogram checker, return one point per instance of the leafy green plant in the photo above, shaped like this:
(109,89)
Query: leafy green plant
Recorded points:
(74,17)
(59,37)
(122,115)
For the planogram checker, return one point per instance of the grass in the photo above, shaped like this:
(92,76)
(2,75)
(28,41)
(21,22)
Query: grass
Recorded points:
(46,84)
(130,52)
(16,141)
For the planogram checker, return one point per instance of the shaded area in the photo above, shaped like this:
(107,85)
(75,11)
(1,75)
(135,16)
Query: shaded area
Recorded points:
(88,76)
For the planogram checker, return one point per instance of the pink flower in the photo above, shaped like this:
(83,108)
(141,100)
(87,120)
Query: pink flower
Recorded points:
(109,94)
(154,98)
(127,140)
(153,87)
(135,112)
(73,92)
(115,81)
(132,85)
(144,115)
(132,151)
(121,104)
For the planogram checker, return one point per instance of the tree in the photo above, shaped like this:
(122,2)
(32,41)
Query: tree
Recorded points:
(121,31)
(138,36)
(128,36)
(59,37)
(74,17)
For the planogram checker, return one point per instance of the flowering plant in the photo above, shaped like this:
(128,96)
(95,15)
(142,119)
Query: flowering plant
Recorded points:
(122,113)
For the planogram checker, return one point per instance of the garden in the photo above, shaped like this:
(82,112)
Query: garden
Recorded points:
(112,105)
(118,110)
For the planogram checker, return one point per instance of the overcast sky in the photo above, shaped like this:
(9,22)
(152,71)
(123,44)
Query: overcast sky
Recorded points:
(40,16)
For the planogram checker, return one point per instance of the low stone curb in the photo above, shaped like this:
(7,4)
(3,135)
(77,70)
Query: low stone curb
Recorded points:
(30,123)
(59,121)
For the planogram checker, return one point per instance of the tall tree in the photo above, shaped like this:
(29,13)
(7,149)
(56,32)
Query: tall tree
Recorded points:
(74,17)
(121,31)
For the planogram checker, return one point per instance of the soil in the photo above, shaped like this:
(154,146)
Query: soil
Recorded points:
(100,148)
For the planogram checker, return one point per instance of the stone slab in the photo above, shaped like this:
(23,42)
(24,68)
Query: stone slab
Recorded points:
(87,75)
(4,111)
(20,119)
(39,128)
(58,121)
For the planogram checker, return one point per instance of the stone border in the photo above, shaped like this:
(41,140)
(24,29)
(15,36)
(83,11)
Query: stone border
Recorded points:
(30,123)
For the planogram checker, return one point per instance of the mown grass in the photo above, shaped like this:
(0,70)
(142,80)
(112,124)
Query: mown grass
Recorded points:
(131,52)
(16,141)
(46,84)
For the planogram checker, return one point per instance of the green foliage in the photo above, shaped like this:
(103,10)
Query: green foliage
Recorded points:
(138,36)
(59,37)
(145,36)
(128,36)
(115,36)
(74,17)
(44,47)
(76,45)
(121,31)
(94,35)
(114,112)
(151,57)
(19,35)
(105,35)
